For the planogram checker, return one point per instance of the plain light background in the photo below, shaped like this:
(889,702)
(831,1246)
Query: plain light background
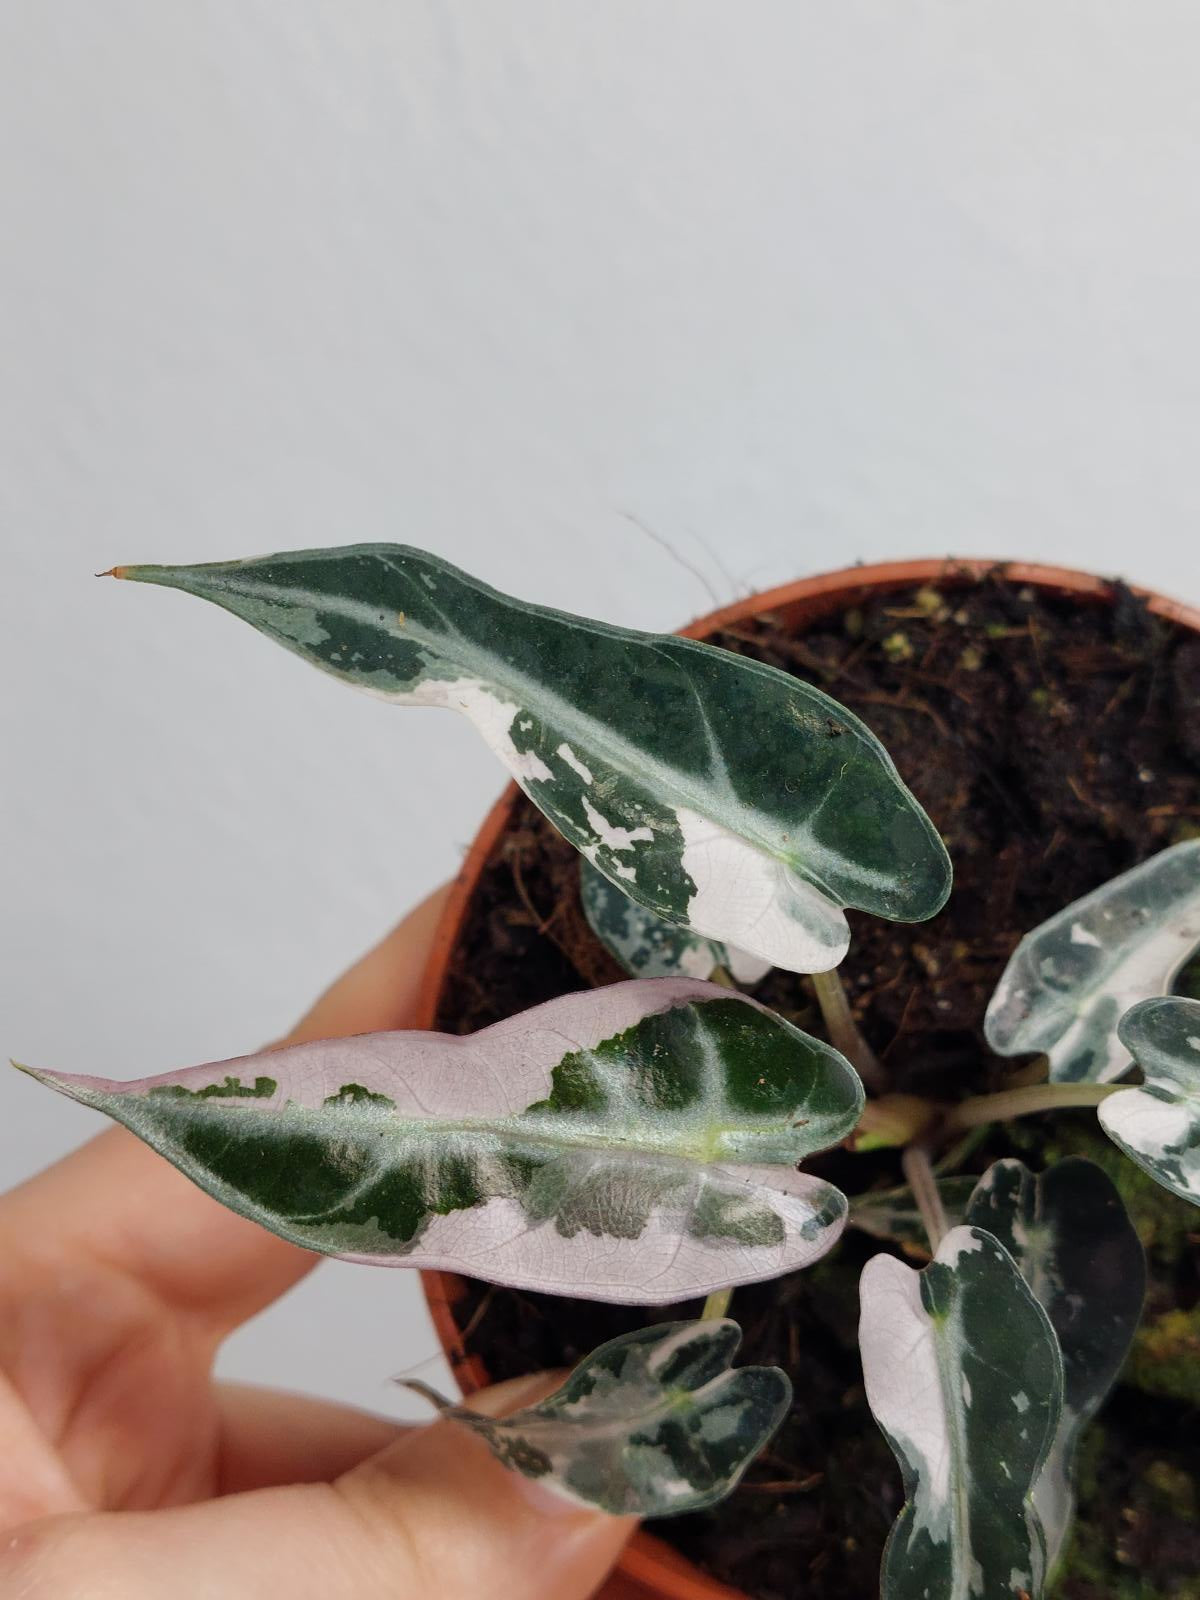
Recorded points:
(545,287)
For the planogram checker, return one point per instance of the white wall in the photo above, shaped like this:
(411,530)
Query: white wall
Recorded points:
(787,283)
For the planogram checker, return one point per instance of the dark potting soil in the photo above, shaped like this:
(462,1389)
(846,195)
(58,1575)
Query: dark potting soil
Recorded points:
(1054,743)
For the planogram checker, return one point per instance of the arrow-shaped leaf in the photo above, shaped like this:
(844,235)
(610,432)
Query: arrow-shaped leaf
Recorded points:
(964,1376)
(649,1425)
(1158,1125)
(1069,981)
(718,792)
(634,1143)
(647,945)
(1069,1233)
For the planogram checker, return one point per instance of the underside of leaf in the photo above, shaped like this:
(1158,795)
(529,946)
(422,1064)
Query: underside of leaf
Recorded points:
(719,793)
(1158,1125)
(963,1375)
(634,1143)
(1069,1233)
(652,1424)
(1069,981)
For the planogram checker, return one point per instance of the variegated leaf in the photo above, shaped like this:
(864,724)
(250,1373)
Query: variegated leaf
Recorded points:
(634,1143)
(716,791)
(964,1376)
(647,945)
(1069,981)
(1069,1233)
(893,1214)
(649,1425)
(1158,1125)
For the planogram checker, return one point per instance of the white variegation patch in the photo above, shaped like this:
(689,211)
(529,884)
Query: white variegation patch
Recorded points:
(648,946)
(1070,980)
(777,916)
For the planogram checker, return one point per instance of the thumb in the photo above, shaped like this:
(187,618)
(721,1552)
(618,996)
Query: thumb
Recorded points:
(432,1514)
(476,1528)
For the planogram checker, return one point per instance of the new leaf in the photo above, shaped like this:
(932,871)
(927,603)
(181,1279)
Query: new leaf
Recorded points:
(1159,1125)
(964,1377)
(652,1424)
(635,1143)
(1069,981)
(714,790)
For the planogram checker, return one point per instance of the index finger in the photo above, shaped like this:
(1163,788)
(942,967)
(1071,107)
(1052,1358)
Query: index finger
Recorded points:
(117,1202)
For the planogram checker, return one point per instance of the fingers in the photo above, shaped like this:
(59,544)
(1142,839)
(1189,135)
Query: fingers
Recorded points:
(433,1513)
(268,1437)
(117,1202)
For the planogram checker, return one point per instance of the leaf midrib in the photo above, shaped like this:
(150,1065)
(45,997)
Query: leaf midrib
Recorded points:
(629,759)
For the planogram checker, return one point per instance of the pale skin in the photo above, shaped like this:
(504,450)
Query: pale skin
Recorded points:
(128,1473)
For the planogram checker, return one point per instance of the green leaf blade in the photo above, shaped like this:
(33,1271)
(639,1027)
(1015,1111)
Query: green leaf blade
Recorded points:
(964,1377)
(635,1143)
(718,792)
(652,1424)
(1158,1125)
(1072,1240)
(1070,980)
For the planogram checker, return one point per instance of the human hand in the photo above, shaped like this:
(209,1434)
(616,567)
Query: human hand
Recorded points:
(127,1473)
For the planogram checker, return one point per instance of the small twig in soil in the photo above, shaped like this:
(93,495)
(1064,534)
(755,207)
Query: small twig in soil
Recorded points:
(901,702)
(480,1311)
(785,1485)
(901,1026)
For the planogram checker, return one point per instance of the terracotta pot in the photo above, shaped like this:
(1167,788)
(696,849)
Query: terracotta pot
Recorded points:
(650,1569)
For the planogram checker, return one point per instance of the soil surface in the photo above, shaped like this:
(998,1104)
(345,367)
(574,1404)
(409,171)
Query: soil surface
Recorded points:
(1054,743)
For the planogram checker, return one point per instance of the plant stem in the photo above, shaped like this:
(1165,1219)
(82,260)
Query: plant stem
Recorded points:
(923,1184)
(844,1032)
(1008,1103)
(717,1305)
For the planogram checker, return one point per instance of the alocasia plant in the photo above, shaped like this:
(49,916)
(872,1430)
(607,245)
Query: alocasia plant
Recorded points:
(640,1143)
(644,750)
(651,1424)
(635,1143)
(1070,980)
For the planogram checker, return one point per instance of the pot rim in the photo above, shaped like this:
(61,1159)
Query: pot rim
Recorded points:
(650,1562)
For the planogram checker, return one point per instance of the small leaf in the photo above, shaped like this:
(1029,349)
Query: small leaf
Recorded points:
(964,1376)
(1070,1235)
(647,945)
(1158,1125)
(716,791)
(1069,981)
(892,1213)
(634,1143)
(649,1425)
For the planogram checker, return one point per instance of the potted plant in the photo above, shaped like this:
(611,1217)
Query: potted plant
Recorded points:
(636,1144)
